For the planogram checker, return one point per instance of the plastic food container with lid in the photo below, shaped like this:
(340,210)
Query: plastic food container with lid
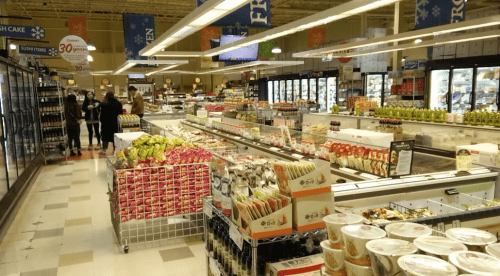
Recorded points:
(384,255)
(407,231)
(333,224)
(493,250)
(475,239)
(423,265)
(475,262)
(439,246)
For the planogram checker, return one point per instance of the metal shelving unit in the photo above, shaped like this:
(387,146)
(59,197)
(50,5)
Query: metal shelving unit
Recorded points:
(51,105)
(254,243)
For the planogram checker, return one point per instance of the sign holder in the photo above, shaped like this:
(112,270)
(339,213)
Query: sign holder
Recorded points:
(401,158)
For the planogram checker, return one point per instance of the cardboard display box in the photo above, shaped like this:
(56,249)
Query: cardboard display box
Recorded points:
(296,266)
(317,182)
(308,212)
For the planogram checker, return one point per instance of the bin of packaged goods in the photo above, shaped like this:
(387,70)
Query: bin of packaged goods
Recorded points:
(485,154)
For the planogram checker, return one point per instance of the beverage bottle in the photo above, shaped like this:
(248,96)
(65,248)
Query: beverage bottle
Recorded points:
(473,116)
(467,117)
(433,115)
(221,246)
(216,241)
(241,271)
(234,264)
(249,265)
(210,238)
(227,257)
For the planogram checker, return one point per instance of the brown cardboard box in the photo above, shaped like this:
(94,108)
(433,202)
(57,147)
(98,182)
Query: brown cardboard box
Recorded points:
(296,266)
(308,212)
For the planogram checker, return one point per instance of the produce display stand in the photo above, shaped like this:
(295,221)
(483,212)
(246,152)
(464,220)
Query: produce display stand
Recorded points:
(51,105)
(157,203)
(211,210)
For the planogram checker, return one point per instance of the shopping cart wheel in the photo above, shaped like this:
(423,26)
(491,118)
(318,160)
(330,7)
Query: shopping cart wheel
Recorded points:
(125,249)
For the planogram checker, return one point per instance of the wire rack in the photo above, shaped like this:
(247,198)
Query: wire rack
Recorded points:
(154,204)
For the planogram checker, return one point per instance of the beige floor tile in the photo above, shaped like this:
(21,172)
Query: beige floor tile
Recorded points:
(13,245)
(19,236)
(78,222)
(13,256)
(75,246)
(11,268)
(46,242)
(85,269)
(79,198)
(42,272)
(42,258)
(52,223)
(75,258)
(77,234)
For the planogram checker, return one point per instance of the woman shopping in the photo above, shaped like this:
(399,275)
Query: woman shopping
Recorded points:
(92,108)
(73,116)
(110,109)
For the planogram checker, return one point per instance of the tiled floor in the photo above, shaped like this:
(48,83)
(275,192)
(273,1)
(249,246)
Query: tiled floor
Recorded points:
(64,228)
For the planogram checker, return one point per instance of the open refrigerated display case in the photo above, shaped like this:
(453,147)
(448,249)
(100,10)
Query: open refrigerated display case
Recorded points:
(487,88)
(304,90)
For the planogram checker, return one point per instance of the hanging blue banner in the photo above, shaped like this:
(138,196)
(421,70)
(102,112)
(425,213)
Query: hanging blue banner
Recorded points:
(257,14)
(33,32)
(138,31)
(430,13)
(39,51)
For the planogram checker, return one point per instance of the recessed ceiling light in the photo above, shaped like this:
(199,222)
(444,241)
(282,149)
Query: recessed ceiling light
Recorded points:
(90,58)
(91,47)
(276,50)
(418,40)
(13,46)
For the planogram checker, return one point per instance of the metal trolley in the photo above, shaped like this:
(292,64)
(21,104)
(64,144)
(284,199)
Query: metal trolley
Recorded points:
(152,204)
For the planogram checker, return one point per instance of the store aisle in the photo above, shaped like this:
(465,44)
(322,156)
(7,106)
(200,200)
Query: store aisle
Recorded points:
(64,228)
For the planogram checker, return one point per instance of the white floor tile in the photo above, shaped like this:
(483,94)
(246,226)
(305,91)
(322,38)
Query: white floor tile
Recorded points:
(85,269)
(11,269)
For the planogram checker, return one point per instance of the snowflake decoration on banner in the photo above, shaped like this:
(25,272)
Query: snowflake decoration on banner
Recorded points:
(132,26)
(436,11)
(53,52)
(129,54)
(138,39)
(37,32)
(420,10)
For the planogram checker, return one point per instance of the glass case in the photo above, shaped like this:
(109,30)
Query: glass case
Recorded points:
(305,89)
(374,87)
(440,80)
(282,91)
(312,89)
(461,90)
(322,94)
(487,85)
(387,88)
(276,91)
(296,90)
(270,96)
(332,93)
(289,90)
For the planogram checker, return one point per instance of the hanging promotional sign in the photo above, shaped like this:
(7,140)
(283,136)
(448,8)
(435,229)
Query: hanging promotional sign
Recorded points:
(257,14)
(38,51)
(82,69)
(77,25)
(33,32)
(138,32)
(430,13)
(73,49)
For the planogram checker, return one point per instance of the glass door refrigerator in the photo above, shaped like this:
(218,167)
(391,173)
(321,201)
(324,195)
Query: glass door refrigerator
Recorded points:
(289,90)
(270,96)
(461,90)
(313,89)
(387,89)
(331,84)
(440,86)
(296,89)
(282,90)
(374,87)
(322,94)
(276,92)
(486,88)
(17,120)
(304,89)
(8,170)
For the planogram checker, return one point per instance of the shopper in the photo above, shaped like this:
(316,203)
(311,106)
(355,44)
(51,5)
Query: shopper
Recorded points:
(73,116)
(138,103)
(92,108)
(110,109)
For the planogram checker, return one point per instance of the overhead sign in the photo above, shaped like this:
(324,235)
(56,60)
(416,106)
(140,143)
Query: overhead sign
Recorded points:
(38,51)
(257,14)
(33,32)
(138,32)
(73,49)
(430,13)
(82,69)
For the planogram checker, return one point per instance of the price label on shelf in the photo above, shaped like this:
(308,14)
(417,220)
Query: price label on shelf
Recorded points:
(207,209)
(297,156)
(213,267)
(237,138)
(73,49)
(348,170)
(274,149)
(369,176)
(236,236)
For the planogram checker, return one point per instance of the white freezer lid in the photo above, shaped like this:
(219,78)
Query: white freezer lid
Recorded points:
(485,148)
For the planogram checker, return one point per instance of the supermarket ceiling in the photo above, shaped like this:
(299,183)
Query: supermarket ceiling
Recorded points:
(171,11)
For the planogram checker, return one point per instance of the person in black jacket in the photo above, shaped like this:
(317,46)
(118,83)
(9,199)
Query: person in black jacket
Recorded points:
(73,114)
(110,109)
(92,108)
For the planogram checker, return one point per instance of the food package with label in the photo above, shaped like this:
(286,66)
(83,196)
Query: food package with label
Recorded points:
(296,267)
(308,211)
(298,179)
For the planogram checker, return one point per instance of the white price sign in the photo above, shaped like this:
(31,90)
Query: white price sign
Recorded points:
(236,236)
(207,209)
(83,69)
(73,49)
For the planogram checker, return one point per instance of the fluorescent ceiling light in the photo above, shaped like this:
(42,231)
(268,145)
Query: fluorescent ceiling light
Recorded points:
(91,47)
(428,43)
(438,30)
(131,63)
(254,65)
(318,19)
(161,70)
(418,40)
(107,72)
(178,54)
(193,22)
(13,46)
(90,58)
(276,50)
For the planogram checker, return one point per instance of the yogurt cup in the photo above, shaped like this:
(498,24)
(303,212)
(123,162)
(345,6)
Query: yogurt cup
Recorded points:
(334,258)
(384,255)
(407,231)
(423,265)
(493,250)
(440,247)
(474,239)
(355,239)
(475,262)
(328,272)
(357,270)
(333,224)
